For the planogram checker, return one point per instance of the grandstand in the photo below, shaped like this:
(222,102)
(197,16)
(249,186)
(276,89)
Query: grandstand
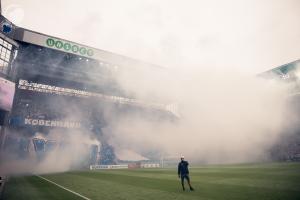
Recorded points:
(49,81)
(46,78)
(288,147)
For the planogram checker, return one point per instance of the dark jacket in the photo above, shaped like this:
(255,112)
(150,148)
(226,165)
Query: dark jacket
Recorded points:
(183,168)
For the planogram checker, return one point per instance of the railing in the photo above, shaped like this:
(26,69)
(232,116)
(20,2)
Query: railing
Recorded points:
(43,88)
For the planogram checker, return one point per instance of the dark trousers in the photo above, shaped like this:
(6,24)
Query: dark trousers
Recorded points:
(187,177)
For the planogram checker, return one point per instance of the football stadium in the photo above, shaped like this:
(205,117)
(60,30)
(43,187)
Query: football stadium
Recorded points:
(58,103)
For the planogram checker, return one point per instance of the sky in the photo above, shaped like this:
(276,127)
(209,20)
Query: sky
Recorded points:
(249,35)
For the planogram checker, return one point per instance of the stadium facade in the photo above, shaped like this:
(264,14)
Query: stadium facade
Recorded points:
(46,82)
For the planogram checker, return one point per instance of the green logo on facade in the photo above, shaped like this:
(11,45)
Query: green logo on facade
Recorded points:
(90,52)
(75,48)
(50,42)
(59,44)
(67,46)
(82,50)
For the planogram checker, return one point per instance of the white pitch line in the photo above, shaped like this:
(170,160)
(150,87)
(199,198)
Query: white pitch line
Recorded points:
(64,188)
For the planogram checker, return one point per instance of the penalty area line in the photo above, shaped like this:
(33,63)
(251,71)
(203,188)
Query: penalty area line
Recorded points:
(62,187)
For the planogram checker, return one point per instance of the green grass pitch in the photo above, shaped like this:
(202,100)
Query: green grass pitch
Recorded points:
(249,181)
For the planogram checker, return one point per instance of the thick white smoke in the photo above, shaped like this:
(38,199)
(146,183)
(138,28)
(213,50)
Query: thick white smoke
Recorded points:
(212,50)
(75,153)
(226,116)
(72,151)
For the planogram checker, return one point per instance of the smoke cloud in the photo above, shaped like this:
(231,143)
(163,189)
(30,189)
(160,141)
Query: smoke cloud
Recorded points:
(212,52)
(70,152)
(225,116)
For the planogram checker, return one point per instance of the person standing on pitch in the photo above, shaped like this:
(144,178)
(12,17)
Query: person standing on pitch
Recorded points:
(183,173)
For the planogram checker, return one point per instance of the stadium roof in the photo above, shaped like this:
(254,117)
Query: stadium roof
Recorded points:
(285,71)
(24,35)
